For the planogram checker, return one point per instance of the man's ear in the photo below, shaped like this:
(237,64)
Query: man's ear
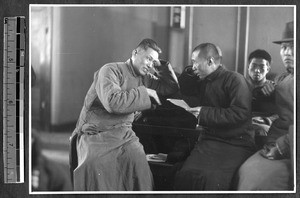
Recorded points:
(268,68)
(210,61)
(134,52)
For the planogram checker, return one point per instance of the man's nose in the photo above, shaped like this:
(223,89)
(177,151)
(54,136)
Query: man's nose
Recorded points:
(194,67)
(257,70)
(288,51)
(149,64)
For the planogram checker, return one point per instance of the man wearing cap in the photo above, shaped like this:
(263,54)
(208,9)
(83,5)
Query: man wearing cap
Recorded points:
(270,168)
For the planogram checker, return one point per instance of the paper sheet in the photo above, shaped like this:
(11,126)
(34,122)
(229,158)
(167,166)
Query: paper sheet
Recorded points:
(180,103)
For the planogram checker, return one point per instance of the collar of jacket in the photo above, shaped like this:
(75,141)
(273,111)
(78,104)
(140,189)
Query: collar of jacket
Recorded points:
(130,67)
(215,73)
(253,85)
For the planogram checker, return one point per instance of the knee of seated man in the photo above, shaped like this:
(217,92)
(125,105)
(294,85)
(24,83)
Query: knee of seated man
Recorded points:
(258,173)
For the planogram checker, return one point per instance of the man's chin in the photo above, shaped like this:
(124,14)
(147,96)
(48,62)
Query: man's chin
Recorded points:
(257,79)
(290,68)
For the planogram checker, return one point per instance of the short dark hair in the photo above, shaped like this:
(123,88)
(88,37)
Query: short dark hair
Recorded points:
(260,53)
(146,43)
(210,50)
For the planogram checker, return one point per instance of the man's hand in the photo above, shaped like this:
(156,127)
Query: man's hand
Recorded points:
(158,64)
(271,151)
(194,110)
(268,89)
(152,94)
(261,120)
(261,125)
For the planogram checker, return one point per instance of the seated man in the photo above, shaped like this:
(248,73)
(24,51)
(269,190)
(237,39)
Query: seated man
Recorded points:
(110,156)
(270,168)
(263,106)
(221,102)
(259,67)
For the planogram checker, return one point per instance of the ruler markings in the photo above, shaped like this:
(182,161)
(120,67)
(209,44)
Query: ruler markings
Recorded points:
(13,83)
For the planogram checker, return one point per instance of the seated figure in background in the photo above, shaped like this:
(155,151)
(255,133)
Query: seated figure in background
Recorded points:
(271,168)
(259,67)
(46,174)
(263,105)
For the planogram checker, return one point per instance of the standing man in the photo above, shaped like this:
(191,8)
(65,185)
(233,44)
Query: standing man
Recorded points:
(110,156)
(270,168)
(222,105)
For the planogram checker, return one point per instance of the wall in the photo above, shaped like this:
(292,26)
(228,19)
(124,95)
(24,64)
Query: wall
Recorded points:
(40,49)
(217,25)
(85,38)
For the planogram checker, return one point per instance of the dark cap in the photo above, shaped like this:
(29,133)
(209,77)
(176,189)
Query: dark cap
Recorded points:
(260,53)
(288,33)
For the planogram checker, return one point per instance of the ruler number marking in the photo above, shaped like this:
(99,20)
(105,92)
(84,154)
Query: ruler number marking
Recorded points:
(14,52)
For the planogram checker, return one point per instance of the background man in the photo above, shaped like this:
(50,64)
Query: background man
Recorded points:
(259,67)
(263,106)
(222,105)
(270,168)
(110,156)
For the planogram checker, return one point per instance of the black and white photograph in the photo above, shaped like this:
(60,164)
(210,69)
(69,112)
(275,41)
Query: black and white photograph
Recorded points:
(155,98)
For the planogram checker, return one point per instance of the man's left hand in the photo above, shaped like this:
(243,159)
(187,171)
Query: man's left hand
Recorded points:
(157,66)
(195,111)
(271,152)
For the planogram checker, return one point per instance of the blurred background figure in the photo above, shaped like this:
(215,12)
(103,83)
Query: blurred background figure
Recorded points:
(46,174)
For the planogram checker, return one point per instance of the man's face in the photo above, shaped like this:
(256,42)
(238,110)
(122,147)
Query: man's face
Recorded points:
(200,66)
(287,55)
(258,69)
(144,60)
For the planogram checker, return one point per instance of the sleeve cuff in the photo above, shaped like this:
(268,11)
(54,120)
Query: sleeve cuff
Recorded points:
(279,150)
(146,98)
(199,116)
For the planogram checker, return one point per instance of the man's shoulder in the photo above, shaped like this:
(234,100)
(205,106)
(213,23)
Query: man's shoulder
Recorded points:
(233,75)
(114,65)
(282,76)
(111,69)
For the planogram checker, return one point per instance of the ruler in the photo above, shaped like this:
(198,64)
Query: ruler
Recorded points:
(13,99)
